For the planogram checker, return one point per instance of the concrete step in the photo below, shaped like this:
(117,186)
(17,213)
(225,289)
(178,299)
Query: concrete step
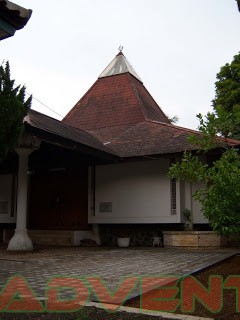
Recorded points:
(52,237)
(62,237)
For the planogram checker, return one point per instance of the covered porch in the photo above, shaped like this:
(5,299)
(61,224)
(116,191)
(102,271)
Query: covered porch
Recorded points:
(44,185)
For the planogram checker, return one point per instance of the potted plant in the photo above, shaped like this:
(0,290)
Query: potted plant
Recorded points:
(187,214)
(123,239)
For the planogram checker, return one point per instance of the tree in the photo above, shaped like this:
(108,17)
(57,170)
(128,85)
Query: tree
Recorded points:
(13,108)
(220,196)
(173,119)
(227,98)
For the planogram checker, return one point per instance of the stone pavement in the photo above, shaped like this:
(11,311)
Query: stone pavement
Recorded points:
(112,264)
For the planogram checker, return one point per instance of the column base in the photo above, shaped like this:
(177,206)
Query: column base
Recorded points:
(20,241)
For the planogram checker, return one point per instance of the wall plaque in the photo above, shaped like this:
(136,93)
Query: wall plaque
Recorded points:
(105,207)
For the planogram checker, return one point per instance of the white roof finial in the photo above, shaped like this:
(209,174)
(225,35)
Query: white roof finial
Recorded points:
(119,65)
(120,48)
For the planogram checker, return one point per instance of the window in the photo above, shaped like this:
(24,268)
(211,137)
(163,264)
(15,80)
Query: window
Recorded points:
(91,191)
(173,196)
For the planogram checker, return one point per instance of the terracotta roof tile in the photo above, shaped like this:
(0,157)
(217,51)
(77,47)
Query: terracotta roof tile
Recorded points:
(120,113)
(145,138)
(113,101)
(149,138)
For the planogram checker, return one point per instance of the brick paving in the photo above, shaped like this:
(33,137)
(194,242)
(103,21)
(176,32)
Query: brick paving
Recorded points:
(111,264)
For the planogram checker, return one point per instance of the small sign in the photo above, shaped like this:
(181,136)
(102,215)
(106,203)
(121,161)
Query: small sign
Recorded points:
(105,207)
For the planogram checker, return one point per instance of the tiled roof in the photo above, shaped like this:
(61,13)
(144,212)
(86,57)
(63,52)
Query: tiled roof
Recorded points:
(54,127)
(144,138)
(134,140)
(113,101)
(149,138)
(120,113)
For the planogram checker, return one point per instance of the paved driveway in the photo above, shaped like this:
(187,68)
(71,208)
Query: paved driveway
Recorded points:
(110,264)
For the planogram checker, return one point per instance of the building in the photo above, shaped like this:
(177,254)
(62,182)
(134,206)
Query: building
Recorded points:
(103,169)
(12,18)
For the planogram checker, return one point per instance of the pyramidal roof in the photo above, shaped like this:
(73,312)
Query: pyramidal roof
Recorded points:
(117,98)
(119,65)
(120,113)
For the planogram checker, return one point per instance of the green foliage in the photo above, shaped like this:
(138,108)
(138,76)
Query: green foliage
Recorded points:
(173,119)
(191,168)
(13,108)
(187,215)
(220,196)
(227,98)
(215,126)
(220,200)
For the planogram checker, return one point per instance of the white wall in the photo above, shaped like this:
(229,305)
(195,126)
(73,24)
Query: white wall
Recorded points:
(139,193)
(188,202)
(198,216)
(6,182)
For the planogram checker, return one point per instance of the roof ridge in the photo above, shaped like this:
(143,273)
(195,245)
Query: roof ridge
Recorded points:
(174,126)
(77,131)
(132,84)
(73,108)
(143,109)
(40,113)
(192,130)
(54,119)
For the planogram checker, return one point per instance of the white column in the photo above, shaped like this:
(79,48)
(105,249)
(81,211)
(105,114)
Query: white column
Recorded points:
(21,241)
(189,200)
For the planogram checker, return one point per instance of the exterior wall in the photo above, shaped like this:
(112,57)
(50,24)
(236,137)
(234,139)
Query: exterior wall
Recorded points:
(198,216)
(6,199)
(187,202)
(136,192)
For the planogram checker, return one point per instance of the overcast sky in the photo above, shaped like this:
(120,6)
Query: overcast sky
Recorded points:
(175,46)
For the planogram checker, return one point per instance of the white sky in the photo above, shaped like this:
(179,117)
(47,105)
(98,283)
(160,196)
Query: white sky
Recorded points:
(175,46)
